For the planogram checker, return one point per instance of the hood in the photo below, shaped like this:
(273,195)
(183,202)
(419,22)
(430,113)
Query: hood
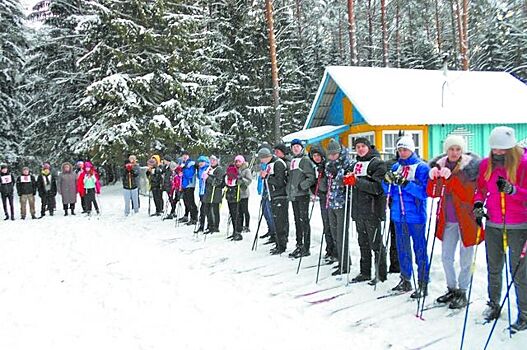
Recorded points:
(317,148)
(64,164)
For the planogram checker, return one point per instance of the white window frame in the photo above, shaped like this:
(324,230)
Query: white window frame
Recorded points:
(366,134)
(418,148)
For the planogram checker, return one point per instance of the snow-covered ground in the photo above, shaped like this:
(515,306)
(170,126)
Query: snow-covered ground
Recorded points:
(111,282)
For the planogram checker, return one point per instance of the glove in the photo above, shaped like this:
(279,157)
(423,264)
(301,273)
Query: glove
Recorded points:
(479,213)
(389,177)
(445,172)
(434,173)
(504,186)
(129,166)
(400,181)
(349,180)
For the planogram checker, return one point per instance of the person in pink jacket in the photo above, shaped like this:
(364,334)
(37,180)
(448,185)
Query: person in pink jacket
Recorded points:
(504,173)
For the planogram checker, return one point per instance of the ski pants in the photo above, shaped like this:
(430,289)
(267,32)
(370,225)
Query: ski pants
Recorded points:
(204,210)
(331,247)
(394,258)
(336,224)
(90,199)
(302,226)
(280,209)
(370,238)
(451,237)
(234,212)
(157,193)
(130,196)
(24,199)
(245,217)
(83,203)
(8,198)
(213,217)
(416,233)
(190,204)
(496,259)
(268,215)
(47,202)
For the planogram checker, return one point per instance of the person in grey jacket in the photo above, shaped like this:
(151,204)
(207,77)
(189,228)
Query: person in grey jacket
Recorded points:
(67,188)
(301,178)
(245,179)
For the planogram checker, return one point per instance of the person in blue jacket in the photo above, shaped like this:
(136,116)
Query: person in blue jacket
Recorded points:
(188,184)
(203,168)
(406,185)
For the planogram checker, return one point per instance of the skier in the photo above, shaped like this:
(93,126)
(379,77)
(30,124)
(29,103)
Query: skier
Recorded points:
(301,177)
(130,190)
(232,195)
(320,189)
(368,209)
(265,202)
(280,150)
(92,186)
(407,181)
(189,185)
(155,180)
(47,190)
(337,165)
(172,181)
(7,183)
(214,183)
(274,179)
(244,179)
(26,188)
(79,171)
(203,168)
(456,172)
(504,172)
(67,188)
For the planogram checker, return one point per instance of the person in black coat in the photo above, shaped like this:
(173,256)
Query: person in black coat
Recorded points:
(47,190)
(214,183)
(26,188)
(7,183)
(155,180)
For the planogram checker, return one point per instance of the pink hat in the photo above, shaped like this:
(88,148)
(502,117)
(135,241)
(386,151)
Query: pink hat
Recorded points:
(239,158)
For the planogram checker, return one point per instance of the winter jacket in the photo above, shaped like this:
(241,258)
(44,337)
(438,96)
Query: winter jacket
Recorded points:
(7,183)
(80,183)
(369,200)
(515,204)
(335,171)
(167,178)
(413,194)
(26,184)
(66,185)
(189,174)
(232,184)
(244,179)
(276,178)
(155,178)
(321,183)
(459,189)
(301,177)
(47,185)
(130,178)
(214,185)
(201,178)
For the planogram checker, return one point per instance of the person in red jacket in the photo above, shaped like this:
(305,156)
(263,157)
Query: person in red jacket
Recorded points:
(502,186)
(453,179)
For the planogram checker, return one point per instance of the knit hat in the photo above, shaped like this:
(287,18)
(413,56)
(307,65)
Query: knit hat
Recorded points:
(25,168)
(264,153)
(3,166)
(297,142)
(239,158)
(455,140)
(502,137)
(213,157)
(183,152)
(167,158)
(46,165)
(362,140)
(172,166)
(157,158)
(281,147)
(333,147)
(203,159)
(406,142)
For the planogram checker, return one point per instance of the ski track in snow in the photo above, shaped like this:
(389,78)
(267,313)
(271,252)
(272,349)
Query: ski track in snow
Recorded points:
(112,282)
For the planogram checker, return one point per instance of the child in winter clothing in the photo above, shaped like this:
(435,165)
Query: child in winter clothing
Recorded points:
(26,187)
(406,184)
(214,183)
(7,183)
(189,186)
(244,178)
(92,186)
(233,200)
(130,190)
(453,180)
(174,177)
(502,185)
(67,188)
(155,180)
(47,190)
(203,167)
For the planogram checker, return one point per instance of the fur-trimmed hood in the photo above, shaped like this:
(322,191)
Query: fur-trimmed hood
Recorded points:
(469,164)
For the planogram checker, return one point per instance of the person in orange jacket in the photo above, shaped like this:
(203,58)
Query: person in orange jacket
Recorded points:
(453,179)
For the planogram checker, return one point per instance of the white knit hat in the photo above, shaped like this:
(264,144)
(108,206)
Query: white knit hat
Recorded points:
(455,140)
(502,137)
(406,142)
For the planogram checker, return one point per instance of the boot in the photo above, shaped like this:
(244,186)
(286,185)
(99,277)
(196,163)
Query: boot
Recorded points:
(72,211)
(66,212)
(459,301)
(183,219)
(191,222)
(277,251)
(199,229)
(268,234)
(421,291)
(271,240)
(492,311)
(246,229)
(6,217)
(237,237)
(447,297)
(403,286)
(295,253)
(51,213)
(520,325)
(360,278)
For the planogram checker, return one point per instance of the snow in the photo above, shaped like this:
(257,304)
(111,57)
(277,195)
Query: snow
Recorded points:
(318,133)
(112,282)
(389,96)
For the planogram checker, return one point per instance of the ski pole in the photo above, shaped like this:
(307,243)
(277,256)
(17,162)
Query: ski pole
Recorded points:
(506,252)
(309,220)
(260,216)
(349,232)
(509,285)
(344,233)
(385,235)
(405,226)
(472,270)
(419,312)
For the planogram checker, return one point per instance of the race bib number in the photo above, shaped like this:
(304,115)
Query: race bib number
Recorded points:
(407,171)
(295,163)
(361,168)
(6,179)
(25,178)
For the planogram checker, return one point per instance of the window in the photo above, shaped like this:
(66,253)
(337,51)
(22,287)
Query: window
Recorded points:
(390,138)
(370,136)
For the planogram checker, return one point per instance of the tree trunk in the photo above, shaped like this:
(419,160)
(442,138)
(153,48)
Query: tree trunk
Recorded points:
(459,30)
(398,34)
(438,28)
(341,45)
(370,34)
(465,59)
(384,34)
(453,24)
(351,31)
(299,21)
(274,69)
